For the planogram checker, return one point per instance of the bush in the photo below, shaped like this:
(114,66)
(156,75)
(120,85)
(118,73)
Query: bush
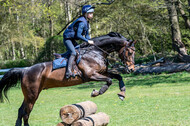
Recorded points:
(15,63)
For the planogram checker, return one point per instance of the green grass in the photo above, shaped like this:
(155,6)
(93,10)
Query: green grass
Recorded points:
(151,100)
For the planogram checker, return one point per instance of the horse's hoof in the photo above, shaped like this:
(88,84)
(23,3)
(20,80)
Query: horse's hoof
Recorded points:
(121,97)
(94,93)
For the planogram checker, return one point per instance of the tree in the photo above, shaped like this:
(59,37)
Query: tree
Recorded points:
(175,29)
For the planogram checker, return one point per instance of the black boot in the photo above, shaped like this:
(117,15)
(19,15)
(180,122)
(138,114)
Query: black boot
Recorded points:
(69,66)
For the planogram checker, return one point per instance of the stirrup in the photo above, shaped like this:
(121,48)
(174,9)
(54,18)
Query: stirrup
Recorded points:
(68,75)
(73,75)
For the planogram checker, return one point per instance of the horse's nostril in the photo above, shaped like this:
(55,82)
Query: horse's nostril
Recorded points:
(132,70)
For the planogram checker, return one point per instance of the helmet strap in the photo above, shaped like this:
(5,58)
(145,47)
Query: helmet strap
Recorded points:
(85,15)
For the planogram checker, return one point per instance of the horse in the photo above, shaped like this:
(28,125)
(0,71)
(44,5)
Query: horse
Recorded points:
(93,66)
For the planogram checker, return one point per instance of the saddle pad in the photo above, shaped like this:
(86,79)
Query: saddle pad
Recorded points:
(62,62)
(59,63)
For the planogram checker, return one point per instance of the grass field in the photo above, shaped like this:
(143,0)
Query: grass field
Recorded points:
(151,100)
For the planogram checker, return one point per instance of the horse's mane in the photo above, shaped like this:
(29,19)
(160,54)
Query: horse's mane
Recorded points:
(111,34)
(102,40)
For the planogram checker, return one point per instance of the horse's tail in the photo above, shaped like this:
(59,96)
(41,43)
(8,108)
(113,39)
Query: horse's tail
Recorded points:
(9,80)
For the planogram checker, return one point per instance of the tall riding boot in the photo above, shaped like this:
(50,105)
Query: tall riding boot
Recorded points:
(69,66)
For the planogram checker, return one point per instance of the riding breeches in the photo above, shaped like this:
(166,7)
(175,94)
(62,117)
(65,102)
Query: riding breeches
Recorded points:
(70,45)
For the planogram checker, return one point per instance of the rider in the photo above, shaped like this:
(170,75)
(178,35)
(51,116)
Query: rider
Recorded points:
(79,29)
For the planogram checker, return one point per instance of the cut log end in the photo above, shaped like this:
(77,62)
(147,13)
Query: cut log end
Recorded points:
(69,114)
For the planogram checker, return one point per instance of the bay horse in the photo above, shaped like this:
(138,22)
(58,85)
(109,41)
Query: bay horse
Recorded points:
(93,66)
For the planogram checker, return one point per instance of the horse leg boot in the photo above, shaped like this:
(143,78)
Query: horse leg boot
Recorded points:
(121,95)
(104,88)
(69,66)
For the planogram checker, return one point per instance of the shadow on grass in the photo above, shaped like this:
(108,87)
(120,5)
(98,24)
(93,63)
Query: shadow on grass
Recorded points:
(143,80)
(150,80)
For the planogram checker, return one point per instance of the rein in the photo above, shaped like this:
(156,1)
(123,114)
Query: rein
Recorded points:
(105,53)
(101,49)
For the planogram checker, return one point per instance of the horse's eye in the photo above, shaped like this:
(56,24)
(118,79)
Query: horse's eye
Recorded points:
(130,52)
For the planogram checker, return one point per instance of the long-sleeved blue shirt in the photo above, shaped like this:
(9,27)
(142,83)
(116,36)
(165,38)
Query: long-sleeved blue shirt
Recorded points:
(80,30)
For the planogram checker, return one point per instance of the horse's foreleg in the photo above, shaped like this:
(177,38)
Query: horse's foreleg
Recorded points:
(121,84)
(99,77)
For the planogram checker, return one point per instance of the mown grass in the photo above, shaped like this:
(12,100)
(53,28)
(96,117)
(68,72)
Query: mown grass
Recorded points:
(151,100)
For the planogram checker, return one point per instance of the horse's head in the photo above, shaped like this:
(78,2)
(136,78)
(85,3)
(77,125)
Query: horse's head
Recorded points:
(127,55)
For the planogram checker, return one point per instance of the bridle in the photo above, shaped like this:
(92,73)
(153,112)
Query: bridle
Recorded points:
(123,51)
(101,50)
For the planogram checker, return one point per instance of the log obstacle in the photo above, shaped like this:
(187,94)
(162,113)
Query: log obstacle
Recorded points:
(62,124)
(74,112)
(82,114)
(99,119)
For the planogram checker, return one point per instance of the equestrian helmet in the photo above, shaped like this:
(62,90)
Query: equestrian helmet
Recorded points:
(87,9)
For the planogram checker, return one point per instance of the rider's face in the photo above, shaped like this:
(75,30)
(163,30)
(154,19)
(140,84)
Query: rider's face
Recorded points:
(90,15)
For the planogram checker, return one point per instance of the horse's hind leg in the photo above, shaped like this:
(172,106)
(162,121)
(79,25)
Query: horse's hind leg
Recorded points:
(30,97)
(20,115)
(27,110)
(24,112)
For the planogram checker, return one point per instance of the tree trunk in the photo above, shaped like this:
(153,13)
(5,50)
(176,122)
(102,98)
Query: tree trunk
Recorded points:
(61,6)
(185,17)
(33,19)
(189,7)
(169,68)
(50,26)
(68,12)
(13,49)
(175,29)
(50,19)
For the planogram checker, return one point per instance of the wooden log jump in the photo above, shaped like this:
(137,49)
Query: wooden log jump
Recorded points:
(71,113)
(99,119)
(62,124)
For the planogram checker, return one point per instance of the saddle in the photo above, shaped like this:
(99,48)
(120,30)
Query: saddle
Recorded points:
(61,61)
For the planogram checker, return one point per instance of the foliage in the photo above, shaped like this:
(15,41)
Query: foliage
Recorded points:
(28,26)
(15,63)
(53,45)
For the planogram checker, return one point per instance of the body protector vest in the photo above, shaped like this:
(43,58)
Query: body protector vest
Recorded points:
(71,31)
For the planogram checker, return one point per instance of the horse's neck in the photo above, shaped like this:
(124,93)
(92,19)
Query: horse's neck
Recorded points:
(93,52)
(101,50)
(109,44)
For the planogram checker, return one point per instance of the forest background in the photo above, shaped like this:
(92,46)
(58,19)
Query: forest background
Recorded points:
(31,30)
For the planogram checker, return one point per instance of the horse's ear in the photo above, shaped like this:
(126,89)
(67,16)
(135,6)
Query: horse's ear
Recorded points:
(125,43)
(135,41)
(129,43)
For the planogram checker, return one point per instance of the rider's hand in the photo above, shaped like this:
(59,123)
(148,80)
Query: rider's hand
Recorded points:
(90,42)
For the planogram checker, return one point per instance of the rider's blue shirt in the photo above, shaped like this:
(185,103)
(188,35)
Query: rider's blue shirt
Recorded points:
(78,29)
